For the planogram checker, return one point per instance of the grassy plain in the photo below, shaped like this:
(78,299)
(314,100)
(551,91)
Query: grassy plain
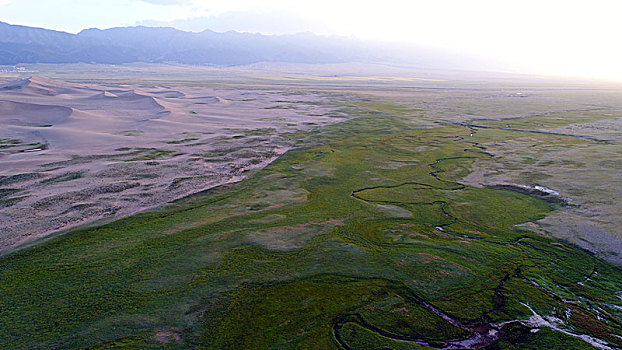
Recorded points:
(363,236)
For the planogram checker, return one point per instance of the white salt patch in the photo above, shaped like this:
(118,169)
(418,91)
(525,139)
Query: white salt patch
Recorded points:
(546,190)
(537,321)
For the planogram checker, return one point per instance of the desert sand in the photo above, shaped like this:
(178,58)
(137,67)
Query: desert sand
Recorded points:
(71,154)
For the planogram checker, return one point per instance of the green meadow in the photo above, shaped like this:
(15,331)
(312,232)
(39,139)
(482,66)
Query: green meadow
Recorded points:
(360,237)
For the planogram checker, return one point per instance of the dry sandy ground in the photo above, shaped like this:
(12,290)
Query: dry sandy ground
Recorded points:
(71,154)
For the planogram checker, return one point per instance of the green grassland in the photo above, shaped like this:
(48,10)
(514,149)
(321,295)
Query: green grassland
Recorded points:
(553,120)
(305,254)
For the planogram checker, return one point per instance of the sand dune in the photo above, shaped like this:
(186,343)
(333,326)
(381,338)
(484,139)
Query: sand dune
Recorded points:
(42,86)
(169,94)
(14,85)
(119,100)
(30,114)
(76,153)
(208,100)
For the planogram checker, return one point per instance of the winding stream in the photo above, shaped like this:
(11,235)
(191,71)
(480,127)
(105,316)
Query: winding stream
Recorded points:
(482,334)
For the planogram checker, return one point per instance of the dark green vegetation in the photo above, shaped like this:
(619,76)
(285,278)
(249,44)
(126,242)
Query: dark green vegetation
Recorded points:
(126,155)
(150,154)
(186,140)
(361,239)
(64,177)
(7,143)
(254,132)
(14,146)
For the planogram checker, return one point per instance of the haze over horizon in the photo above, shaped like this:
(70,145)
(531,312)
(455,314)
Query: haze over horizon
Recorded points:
(553,38)
(406,175)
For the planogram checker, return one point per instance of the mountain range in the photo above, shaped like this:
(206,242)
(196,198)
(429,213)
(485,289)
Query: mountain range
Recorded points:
(21,45)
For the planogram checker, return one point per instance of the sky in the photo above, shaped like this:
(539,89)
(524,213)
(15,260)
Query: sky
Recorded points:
(573,38)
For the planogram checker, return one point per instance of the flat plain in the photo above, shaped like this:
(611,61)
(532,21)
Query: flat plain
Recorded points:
(417,211)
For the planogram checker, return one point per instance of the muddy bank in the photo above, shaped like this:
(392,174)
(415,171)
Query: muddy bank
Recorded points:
(537,191)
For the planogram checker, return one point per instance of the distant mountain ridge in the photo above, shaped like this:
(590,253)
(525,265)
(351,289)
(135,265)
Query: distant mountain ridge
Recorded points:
(21,44)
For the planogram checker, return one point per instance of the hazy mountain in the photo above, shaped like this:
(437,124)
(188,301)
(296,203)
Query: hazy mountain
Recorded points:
(20,44)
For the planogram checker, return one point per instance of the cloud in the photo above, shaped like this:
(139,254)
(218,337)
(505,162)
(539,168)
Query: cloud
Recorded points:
(161,2)
(5,2)
(272,22)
